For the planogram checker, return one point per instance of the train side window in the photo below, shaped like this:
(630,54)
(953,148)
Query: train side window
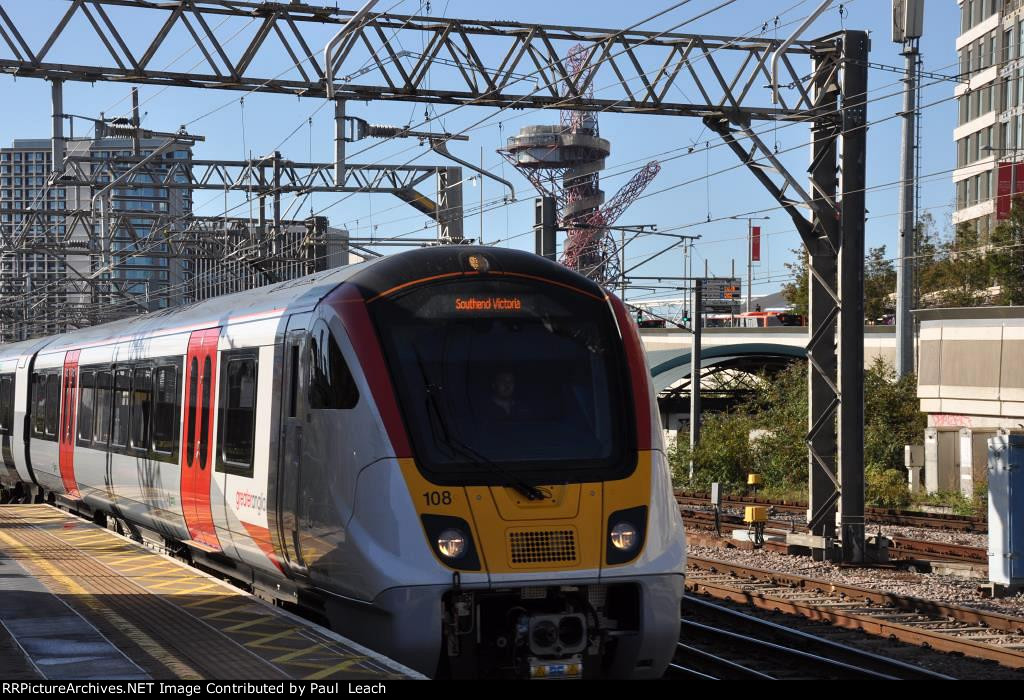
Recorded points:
(122,408)
(331,385)
(39,405)
(238,413)
(204,412)
(193,387)
(6,403)
(293,380)
(86,401)
(141,407)
(166,414)
(52,402)
(101,433)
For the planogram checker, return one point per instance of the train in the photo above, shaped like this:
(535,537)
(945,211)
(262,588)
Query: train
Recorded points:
(754,319)
(451,455)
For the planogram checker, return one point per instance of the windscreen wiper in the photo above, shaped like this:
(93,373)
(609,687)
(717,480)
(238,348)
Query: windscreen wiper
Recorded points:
(529,490)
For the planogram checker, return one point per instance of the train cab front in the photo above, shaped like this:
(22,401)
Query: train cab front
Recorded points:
(535,459)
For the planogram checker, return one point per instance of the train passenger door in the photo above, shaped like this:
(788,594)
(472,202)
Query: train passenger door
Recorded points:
(293,418)
(66,432)
(198,444)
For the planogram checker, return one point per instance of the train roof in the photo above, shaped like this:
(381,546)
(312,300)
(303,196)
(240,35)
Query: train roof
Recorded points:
(302,294)
(273,300)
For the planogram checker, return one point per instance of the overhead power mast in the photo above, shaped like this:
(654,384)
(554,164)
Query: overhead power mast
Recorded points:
(907,28)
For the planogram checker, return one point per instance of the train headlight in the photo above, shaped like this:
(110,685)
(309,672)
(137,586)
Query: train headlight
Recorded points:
(625,537)
(627,530)
(451,543)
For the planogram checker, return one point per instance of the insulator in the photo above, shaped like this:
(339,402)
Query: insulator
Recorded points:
(383,130)
(119,127)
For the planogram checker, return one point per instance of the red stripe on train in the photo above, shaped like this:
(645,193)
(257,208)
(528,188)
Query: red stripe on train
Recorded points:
(349,304)
(638,373)
(66,436)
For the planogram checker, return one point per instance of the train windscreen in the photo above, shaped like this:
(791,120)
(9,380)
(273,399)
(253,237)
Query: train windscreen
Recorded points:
(507,376)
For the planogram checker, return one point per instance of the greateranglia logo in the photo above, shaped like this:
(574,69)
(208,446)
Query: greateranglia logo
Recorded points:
(252,501)
(488,304)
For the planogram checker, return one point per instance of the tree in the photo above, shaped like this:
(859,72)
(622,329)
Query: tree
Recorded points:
(879,284)
(962,271)
(892,415)
(778,411)
(926,252)
(797,291)
(1006,258)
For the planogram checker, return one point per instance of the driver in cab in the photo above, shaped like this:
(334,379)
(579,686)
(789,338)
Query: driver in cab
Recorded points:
(504,404)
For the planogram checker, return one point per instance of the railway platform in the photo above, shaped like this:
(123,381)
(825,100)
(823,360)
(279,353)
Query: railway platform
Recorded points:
(79,602)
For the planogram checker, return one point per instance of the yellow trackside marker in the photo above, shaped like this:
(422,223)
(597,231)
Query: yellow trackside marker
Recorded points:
(157,651)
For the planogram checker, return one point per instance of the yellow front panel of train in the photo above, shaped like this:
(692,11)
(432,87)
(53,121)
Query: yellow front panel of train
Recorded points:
(566,530)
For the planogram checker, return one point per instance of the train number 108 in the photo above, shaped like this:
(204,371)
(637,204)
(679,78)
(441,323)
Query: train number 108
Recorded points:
(438,498)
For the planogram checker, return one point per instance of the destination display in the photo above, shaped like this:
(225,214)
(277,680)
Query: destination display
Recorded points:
(721,296)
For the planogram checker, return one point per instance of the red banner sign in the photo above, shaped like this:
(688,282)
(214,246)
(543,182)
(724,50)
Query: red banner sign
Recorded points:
(1005,182)
(755,244)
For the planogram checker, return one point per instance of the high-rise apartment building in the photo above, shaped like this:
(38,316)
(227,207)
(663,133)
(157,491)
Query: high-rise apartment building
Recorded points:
(989,134)
(39,254)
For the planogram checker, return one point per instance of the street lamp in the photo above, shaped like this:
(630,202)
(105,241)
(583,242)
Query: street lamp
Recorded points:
(750,250)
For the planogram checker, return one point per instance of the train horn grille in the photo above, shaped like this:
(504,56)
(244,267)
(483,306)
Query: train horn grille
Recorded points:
(532,547)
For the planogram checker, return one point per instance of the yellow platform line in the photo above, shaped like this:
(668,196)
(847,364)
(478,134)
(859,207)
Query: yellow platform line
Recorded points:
(236,620)
(248,623)
(263,642)
(291,657)
(178,667)
(246,605)
(163,586)
(342,666)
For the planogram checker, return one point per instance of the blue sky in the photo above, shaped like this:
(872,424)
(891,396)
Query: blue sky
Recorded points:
(679,197)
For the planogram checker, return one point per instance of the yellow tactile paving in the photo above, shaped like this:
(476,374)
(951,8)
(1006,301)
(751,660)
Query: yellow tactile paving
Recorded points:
(62,547)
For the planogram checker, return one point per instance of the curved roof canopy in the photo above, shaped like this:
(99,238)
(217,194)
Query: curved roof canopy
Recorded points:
(670,366)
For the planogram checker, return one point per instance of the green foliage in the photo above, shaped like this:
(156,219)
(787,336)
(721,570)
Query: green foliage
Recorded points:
(780,407)
(961,273)
(886,488)
(961,504)
(723,455)
(1006,259)
(892,416)
(970,270)
(796,290)
(879,284)
(964,269)
(778,451)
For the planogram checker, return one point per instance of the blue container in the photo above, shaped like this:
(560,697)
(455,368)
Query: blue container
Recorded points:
(1006,510)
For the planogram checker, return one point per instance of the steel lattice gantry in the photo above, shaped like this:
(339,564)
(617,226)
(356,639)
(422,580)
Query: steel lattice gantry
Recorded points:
(257,175)
(642,68)
(822,82)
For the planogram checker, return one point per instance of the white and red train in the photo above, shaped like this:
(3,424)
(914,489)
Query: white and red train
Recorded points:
(452,455)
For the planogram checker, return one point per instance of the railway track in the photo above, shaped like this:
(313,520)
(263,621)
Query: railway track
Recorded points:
(902,549)
(720,643)
(949,628)
(906,548)
(881,516)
